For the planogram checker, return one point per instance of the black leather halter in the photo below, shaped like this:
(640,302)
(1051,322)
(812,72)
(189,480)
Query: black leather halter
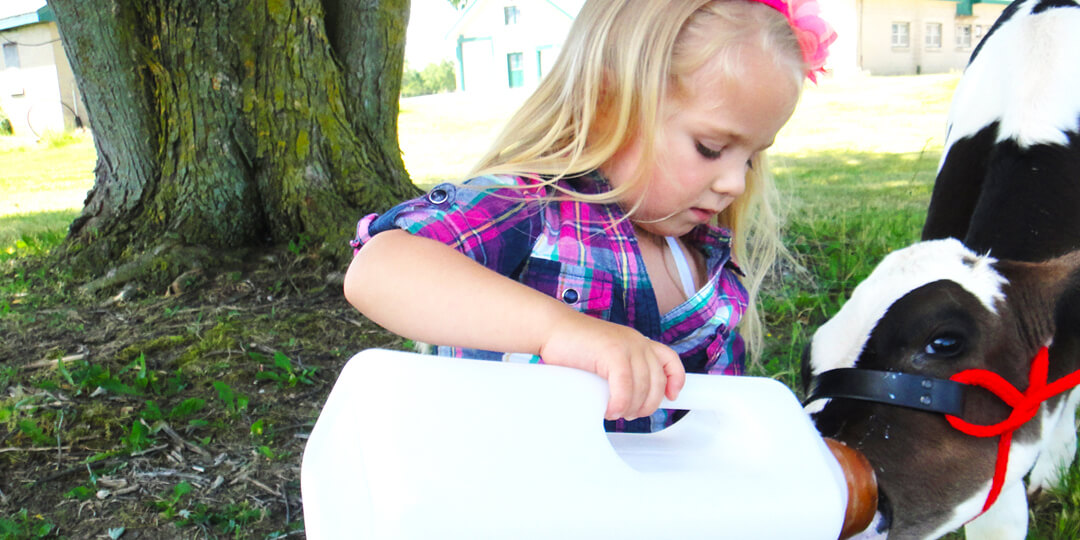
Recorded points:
(902,389)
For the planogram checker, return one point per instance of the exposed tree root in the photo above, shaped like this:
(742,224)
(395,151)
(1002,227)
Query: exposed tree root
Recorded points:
(170,263)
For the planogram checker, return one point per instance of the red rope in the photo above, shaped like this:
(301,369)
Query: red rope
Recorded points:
(1024,404)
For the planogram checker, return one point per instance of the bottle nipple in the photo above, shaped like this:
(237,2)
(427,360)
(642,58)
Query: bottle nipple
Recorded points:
(861,487)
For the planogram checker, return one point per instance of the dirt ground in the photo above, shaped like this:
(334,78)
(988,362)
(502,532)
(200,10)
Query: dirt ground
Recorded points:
(172,413)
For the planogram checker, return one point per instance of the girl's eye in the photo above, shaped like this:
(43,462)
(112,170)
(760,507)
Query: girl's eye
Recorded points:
(706,152)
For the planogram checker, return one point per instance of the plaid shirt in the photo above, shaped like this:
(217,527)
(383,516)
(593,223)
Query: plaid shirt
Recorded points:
(586,255)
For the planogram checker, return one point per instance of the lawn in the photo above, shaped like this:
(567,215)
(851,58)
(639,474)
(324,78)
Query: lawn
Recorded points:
(186,411)
(42,185)
(856,165)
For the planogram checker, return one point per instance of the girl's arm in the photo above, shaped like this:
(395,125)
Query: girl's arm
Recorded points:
(425,290)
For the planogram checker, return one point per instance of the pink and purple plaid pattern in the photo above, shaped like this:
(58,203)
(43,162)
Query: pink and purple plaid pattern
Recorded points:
(586,255)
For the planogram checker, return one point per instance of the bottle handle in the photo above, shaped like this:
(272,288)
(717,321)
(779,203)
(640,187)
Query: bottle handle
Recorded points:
(711,392)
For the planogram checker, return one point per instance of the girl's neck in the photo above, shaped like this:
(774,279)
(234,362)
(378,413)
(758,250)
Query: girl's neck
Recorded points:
(663,270)
(646,236)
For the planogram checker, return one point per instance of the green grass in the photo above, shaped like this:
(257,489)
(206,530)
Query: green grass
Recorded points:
(29,233)
(870,114)
(51,175)
(845,211)
(42,188)
(856,165)
(443,135)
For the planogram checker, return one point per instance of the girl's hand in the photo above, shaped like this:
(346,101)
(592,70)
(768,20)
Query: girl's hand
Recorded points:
(639,371)
(388,278)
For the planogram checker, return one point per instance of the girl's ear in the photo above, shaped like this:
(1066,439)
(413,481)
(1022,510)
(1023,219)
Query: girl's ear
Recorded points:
(604,125)
(605,100)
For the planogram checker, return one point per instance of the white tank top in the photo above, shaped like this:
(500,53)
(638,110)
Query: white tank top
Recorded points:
(682,264)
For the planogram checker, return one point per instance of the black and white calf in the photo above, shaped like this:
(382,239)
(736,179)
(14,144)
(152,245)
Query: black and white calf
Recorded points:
(978,310)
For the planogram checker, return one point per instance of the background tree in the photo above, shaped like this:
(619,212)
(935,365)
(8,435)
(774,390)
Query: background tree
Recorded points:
(232,123)
(440,76)
(5,124)
(436,78)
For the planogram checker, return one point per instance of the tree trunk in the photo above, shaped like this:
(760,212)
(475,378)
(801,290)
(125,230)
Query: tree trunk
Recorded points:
(234,123)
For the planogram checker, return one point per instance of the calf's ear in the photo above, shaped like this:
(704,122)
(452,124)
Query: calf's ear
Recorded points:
(1035,291)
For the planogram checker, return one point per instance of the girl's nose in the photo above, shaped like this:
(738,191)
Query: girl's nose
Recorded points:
(730,181)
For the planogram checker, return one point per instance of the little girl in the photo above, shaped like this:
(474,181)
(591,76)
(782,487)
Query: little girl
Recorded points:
(602,229)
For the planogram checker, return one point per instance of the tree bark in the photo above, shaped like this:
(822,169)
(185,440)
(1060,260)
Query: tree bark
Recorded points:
(235,123)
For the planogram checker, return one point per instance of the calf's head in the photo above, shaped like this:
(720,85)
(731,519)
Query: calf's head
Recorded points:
(935,309)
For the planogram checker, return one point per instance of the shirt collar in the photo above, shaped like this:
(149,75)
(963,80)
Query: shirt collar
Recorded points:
(713,240)
(589,183)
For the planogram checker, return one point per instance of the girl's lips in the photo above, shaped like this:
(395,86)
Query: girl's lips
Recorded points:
(703,214)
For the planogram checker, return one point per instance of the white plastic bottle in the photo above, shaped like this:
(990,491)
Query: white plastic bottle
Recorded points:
(421,447)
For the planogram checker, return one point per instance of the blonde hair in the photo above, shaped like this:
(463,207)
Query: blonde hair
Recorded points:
(621,59)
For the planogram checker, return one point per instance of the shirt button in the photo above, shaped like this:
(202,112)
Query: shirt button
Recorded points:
(437,196)
(570,296)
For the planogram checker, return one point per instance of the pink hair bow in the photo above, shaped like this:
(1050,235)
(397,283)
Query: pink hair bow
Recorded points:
(814,34)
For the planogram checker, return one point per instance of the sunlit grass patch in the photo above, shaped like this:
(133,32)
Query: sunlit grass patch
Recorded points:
(870,114)
(33,233)
(443,135)
(845,211)
(53,174)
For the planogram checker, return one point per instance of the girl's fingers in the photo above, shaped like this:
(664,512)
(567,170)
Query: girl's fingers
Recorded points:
(655,390)
(642,382)
(648,381)
(620,384)
(629,383)
(639,371)
(674,373)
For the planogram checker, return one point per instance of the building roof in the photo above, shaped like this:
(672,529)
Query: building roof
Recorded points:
(16,13)
(569,8)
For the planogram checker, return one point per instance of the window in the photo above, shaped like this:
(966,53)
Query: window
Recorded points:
(901,32)
(515,70)
(978,32)
(11,55)
(933,35)
(510,15)
(963,36)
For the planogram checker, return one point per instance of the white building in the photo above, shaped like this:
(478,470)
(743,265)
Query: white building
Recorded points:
(907,37)
(500,44)
(504,44)
(37,87)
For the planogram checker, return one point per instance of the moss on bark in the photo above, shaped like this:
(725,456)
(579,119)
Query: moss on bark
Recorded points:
(232,124)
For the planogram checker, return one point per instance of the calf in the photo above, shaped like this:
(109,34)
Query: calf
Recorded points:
(947,336)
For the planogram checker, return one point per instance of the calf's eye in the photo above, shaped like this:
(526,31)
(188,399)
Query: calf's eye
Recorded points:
(944,345)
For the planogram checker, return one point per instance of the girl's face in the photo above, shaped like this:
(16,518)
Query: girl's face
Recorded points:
(707,138)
